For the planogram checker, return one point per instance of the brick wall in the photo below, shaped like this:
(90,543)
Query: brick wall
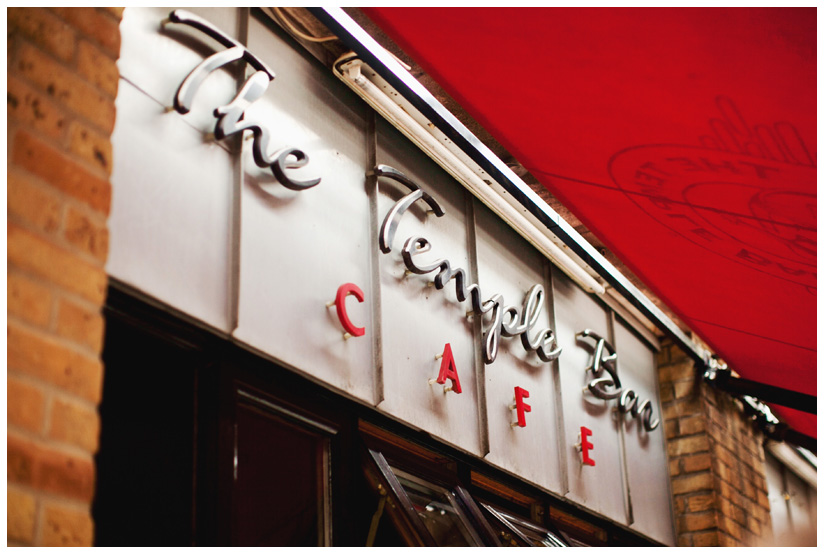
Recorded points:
(62,83)
(717,462)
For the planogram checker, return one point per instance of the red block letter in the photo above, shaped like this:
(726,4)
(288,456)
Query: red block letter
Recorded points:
(521,406)
(341,308)
(448,369)
(586,447)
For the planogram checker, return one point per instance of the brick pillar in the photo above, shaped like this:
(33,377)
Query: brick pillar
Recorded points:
(62,83)
(716,457)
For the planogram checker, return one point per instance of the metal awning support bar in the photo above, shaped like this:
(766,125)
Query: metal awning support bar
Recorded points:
(383,63)
(723,380)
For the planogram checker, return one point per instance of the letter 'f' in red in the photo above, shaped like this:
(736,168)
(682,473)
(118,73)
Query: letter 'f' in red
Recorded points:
(521,406)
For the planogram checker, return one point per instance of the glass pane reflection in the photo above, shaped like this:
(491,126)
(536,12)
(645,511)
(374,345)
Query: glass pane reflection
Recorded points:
(514,531)
(439,511)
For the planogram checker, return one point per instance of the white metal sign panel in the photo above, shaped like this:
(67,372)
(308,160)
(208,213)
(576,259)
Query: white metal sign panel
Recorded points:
(157,58)
(171,189)
(646,452)
(418,320)
(298,247)
(599,487)
(509,266)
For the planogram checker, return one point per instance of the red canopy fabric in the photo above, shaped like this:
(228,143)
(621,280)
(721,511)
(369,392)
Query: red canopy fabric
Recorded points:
(684,138)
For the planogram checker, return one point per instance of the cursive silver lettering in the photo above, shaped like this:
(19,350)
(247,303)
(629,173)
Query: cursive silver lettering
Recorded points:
(504,321)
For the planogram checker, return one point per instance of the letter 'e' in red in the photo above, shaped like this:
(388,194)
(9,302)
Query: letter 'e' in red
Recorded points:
(341,308)
(448,369)
(586,447)
(521,406)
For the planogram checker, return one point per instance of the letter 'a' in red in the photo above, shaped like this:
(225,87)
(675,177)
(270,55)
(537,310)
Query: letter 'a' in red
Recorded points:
(448,369)
(341,307)
(586,447)
(521,406)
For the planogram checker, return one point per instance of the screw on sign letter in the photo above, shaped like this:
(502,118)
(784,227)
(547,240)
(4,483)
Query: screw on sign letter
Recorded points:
(448,369)
(586,447)
(341,308)
(521,406)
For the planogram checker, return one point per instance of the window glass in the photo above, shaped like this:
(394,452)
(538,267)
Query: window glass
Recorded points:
(439,511)
(514,531)
(280,482)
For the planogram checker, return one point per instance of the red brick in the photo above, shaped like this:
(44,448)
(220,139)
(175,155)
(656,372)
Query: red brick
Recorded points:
(65,87)
(692,425)
(692,483)
(684,389)
(74,423)
(97,68)
(666,393)
(663,356)
(685,540)
(754,526)
(696,522)
(762,499)
(21,458)
(46,162)
(79,323)
(678,355)
(26,405)
(699,503)
(28,300)
(686,445)
(673,466)
(685,407)
(33,204)
(45,359)
(117,12)
(748,490)
(725,473)
(671,429)
(706,539)
(33,254)
(697,462)
(89,233)
(20,516)
(96,25)
(34,109)
(732,511)
(725,456)
(44,29)
(726,540)
(91,146)
(67,527)
(730,527)
(676,372)
(64,474)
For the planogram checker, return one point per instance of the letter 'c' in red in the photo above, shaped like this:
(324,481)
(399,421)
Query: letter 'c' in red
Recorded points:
(341,307)
(586,447)
(521,406)
(448,369)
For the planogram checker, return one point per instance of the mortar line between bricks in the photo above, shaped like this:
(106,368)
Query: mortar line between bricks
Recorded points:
(59,292)
(58,240)
(48,444)
(62,145)
(62,197)
(49,387)
(52,336)
(52,498)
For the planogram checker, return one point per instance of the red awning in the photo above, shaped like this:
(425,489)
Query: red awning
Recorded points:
(684,138)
